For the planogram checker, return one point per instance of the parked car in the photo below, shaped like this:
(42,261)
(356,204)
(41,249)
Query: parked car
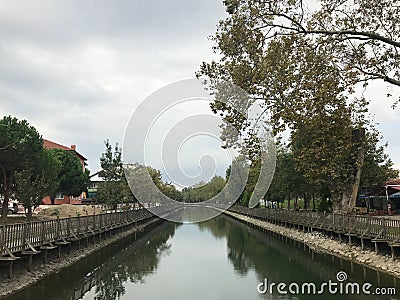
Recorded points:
(12,207)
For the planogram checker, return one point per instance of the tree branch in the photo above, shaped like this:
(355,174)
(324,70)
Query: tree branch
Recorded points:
(380,76)
(369,35)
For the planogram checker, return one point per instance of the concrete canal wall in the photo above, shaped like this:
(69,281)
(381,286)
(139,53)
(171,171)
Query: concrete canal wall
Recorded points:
(321,242)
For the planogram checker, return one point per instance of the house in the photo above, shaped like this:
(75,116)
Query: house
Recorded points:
(95,180)
(60,198)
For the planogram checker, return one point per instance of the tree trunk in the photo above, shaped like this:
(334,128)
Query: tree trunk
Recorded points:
(4,211)
(307,198)
(357,177)
(337,201)
(342,200)
(346,199)
(313,201)
(29,213)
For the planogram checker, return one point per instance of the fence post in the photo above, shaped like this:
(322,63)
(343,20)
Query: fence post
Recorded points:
(24,235)
(384,228)
(69,226)
(42,232)
(79,225)
(2,238)
(87,223)
(398,231)
(94,219)
(58,228)
(369,225)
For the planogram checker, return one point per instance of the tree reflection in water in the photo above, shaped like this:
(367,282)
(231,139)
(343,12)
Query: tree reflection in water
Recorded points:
(104,274)
(135,263)
(279,261)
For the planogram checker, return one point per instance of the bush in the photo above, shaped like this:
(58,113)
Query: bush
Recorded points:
(324,205)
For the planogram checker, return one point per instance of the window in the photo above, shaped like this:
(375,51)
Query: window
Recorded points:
(59,195)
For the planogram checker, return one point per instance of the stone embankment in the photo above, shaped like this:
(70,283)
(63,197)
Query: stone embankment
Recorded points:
(321,243)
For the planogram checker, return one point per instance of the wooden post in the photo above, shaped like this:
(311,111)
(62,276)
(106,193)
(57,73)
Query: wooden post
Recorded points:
(24,235)
(58,228)
(42,233)
(384,228)
(69,226)
(2,238)
(79,226)
(10,269)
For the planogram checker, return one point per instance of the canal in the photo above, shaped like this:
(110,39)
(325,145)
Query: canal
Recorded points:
(216,259)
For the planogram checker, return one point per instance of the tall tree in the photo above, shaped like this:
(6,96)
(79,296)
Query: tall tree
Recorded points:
(19,144)
(111,163)
(39,178)
(73,178)
(378,167)
(114,189)
(301,86)
(146,182)
(287,182)
(239,182)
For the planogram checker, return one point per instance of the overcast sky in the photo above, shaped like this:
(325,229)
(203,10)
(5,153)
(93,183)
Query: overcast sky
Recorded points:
(76,70)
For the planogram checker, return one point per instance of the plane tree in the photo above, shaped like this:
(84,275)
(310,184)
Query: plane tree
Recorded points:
(305,81)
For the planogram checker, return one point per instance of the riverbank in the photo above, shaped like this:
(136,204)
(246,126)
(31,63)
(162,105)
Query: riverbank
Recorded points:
(22,278)
(321,243)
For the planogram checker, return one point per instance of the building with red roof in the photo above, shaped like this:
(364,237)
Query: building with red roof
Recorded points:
(60,198)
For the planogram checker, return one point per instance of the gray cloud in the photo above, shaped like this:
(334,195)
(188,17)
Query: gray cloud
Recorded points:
(77,70)
(65,22)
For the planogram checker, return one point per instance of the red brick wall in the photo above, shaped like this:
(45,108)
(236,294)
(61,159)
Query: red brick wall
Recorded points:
(66,200)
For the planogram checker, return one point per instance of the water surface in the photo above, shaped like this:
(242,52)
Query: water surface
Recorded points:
(217,259)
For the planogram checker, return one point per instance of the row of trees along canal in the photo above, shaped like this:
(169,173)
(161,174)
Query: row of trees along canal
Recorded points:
(30,172)
(288,183)
(305,62)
